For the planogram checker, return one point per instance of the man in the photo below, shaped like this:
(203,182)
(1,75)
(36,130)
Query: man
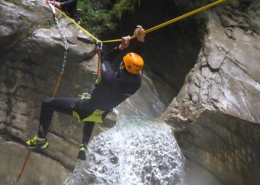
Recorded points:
(70,7)
(109,92)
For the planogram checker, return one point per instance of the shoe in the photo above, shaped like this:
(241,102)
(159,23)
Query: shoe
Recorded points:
(34,143)
(82,152)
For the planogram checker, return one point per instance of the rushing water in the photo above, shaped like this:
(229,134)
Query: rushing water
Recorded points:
(136,151)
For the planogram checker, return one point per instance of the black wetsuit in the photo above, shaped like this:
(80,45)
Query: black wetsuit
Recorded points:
(70,7)
(113,89)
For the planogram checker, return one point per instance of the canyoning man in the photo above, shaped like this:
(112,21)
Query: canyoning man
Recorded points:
(109,92)
(69,7)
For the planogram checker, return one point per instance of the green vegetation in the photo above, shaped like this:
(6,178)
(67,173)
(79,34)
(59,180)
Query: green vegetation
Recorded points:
(103,20)
(48,23)
(23,17)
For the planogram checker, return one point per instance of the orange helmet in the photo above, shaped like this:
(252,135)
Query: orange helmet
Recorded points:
(133,63)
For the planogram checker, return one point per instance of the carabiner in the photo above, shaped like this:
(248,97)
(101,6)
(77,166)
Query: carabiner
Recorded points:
(99,46)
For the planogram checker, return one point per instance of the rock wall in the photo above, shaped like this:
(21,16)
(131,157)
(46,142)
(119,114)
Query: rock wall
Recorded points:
(31,59)
(215,115)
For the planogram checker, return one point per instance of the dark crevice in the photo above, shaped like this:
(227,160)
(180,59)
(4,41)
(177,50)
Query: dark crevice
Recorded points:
(170,52)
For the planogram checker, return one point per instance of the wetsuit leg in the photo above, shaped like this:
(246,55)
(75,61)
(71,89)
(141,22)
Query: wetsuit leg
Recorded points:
(49,105)
(87,130)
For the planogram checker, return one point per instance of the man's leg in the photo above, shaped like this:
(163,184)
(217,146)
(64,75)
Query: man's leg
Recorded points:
(87,130)
(62,105)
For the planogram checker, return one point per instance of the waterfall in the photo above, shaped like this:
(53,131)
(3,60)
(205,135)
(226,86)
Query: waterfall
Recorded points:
(136,151)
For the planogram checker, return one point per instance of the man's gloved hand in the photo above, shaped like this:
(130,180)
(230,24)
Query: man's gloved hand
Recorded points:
(139,33)
(125,42)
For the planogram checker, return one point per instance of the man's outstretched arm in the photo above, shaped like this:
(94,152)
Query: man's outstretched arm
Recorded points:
(139,33)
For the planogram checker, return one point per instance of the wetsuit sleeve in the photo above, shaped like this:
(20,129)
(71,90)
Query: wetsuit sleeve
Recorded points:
(67,3)
(107,72)
(109,56)
(138,47)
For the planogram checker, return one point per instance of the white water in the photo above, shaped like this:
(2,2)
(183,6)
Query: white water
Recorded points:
(136,151)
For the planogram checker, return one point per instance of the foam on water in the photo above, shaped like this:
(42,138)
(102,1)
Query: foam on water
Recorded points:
(136,151)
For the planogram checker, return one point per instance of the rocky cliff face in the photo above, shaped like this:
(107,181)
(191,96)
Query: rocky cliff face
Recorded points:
(31,59)
(216,113)
(210,60)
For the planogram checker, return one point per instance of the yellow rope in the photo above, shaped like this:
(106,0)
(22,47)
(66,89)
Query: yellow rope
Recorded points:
(76,24)
(174,20)
(185,15)
(153,28)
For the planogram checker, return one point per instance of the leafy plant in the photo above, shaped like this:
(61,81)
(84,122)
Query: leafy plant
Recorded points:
(103,20)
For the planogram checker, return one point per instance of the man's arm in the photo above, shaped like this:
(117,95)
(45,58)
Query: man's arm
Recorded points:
(62,4)
(138,47)
(139,33)
(67,3)
(111,54)
(107,72)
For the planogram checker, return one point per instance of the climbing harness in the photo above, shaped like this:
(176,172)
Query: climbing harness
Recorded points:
(96,115)
(84,96)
